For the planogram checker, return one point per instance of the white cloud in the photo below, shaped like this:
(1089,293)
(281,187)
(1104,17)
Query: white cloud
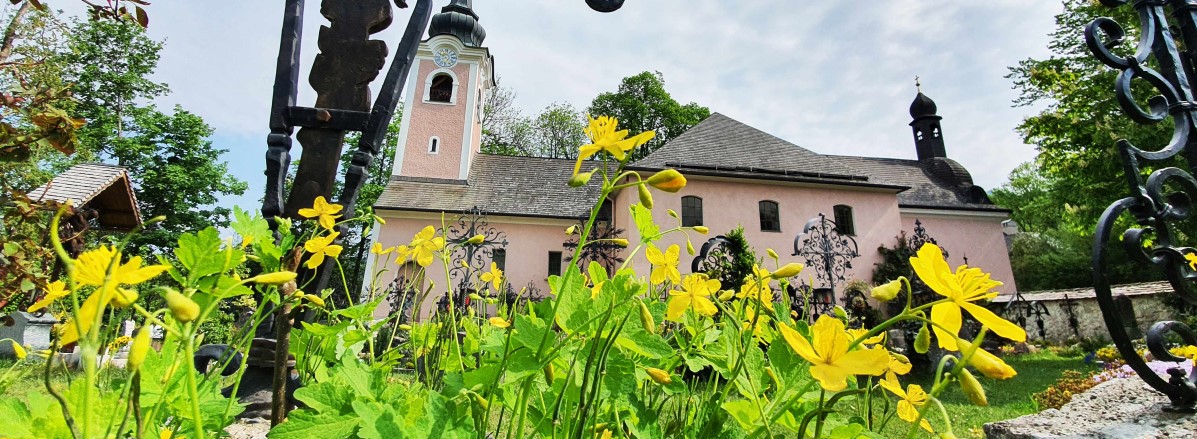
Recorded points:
(834,77)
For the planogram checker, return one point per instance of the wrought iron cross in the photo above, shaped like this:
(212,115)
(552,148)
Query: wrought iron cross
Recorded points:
(470,259)
(826,251)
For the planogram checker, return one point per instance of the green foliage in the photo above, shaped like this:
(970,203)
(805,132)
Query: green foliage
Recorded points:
(642,104)
(895,261)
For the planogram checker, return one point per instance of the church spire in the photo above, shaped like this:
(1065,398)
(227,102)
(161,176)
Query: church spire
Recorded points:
(928,138)
(458,19)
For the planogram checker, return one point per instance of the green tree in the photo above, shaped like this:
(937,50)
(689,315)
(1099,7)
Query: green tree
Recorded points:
(170,159)
(641,104)
(557,132)
(357,237)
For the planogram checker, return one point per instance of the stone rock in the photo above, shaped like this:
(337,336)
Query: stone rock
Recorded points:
(1123,408)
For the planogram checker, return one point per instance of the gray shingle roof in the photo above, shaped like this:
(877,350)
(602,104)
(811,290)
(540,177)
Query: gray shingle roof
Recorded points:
(717,146)
(927,188)
(720,144)
(105,187)
(500,185)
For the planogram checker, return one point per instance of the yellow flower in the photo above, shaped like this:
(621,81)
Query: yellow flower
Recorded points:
(494,276)
(658,375)
(966,286)
(695,294)
(498,322)
(912,399)
(378,250)
(327,213)
(93,267)
(54,291)
(320,247)
(425,244)
(986,363)
(888,291)
(664,264)
(604,137)
(1191,258)
(751,290)
(831,362)
(857,333)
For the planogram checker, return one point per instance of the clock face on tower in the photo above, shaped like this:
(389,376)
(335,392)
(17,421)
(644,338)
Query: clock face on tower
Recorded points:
(445,57)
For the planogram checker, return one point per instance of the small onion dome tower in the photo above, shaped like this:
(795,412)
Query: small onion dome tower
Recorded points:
(458,19)
(928,138)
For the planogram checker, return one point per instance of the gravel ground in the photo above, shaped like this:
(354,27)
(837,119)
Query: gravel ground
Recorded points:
(252,428)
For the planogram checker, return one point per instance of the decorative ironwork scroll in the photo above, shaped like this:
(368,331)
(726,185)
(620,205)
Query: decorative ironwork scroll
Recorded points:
(826,251)
(1022,310)
(1160,203)
(921,237)
(1069,306)
(468,261)
(599,247)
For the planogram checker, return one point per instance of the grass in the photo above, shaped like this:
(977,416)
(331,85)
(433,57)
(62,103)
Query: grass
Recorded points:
(1007,399)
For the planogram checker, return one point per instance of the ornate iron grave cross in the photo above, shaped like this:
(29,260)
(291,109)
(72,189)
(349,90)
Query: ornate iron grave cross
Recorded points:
(1161,205)
(469,260)
(826,251)
(1069,305)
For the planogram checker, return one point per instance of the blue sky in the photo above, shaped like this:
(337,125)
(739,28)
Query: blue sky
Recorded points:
(836,77)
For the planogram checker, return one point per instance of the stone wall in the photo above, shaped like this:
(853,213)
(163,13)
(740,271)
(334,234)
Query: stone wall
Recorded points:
(1090,324)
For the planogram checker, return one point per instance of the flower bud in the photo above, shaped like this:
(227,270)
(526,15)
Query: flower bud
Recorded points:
(646,318)
(788,270)
(499,322)
(276,278)
(839,312)
(922,341)
(571,229)
(725,295)
(972,388)
(646,198)
(702,229)
(139,348)
(405,327)
(668,180)
(482,402)
(580,179)
(659,376)
(887,291)
(549,373)
(316,300)
(620,242)
(181,307)
(123,297)
(475,296)
(689,247)
(17,349)
(772,254)
(476,239)
(671,212)
(988,364)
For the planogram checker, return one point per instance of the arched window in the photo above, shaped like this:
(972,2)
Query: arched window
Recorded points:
(441,89)
(935,132)
(691,211)
(843,220)
(770,217)
(434,145)
(918,134)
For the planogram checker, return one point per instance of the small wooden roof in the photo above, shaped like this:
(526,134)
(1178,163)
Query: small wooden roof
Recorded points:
(106,188)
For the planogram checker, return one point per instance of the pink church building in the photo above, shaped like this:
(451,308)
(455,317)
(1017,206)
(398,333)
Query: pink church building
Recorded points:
(738,176)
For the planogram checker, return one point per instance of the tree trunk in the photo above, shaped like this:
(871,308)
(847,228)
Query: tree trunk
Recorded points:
(10,32)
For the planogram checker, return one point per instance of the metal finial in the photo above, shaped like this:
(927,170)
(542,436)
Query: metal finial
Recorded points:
(917,85)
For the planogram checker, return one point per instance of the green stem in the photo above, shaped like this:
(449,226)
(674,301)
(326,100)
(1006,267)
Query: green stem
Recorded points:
(192,388)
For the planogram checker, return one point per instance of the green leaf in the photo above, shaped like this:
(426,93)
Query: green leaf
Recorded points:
(744,411)
(200,254)
(378,421)
(303,424)
(326,397)
(644,223)
(15,418)
(576,307)
(636,340)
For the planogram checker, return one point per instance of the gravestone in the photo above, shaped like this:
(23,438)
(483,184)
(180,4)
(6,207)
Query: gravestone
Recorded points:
(31,330)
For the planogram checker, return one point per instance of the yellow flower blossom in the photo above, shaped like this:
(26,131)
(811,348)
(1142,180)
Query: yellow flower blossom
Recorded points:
(320,247)
(424,244)
(90,270)
(378,250)
(887,292)
(988,364)
(751,290)
(695,294)
(325,212)
(913,398)
(1191,258)
(831,361)
(964,287)
(604,137)
(664,264)
(494,276)
(498,322)
(54,291)
(856,333)
(17,349)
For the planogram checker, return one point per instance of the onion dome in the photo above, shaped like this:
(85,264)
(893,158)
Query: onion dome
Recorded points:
(458,19)
(922,106)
